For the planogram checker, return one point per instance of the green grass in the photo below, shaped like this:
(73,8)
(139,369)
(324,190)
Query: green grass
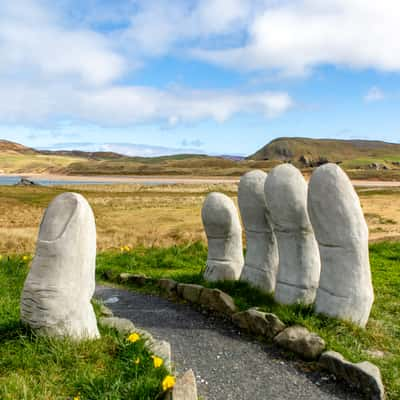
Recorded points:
(33,367)
(182,263)
(186,263)
(333,149)
(14,163)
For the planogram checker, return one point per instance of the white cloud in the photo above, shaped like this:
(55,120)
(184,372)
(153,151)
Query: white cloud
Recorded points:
(374,94)
(122,105)
(194,142)
(35,44)
(53,68)
(157,27)
(294,36)
(289,36)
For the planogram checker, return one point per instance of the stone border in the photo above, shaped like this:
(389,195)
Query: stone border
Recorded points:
(185,387)
(363,376)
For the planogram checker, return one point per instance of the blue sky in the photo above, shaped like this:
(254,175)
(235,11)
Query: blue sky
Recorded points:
(213,76)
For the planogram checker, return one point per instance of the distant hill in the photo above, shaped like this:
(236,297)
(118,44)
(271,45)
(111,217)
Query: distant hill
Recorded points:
(7,146)
(314,151)
(19,159)
(361,159)
(95,155)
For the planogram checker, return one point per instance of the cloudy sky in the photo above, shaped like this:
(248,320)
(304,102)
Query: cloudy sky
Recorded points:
(214,76)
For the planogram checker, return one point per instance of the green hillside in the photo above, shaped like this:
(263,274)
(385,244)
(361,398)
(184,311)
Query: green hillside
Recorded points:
(361,159)
(184,165)
(311,152)
(18,159)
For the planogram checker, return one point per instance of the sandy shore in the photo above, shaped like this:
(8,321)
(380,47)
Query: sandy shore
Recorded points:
(360,183)
(171,179)
(127,179)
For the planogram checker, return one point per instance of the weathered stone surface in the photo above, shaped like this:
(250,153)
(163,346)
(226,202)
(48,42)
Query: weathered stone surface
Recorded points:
(56,296)
(259,323)
(136,279)
(301,341)
(124,276)
(299,261)
(162,348)
(224,234)
(168,286)
(364,375)
(185,387)
(375,353)
(110,275)
(345,289)
(189,292)
(218,301)
(26,182)
(122,325)
(105,311)
(146,335)
(111,300)
(262,258)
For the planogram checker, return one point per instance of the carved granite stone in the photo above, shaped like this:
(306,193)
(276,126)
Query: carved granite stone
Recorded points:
(262,258)
(224,235)
(345,290)
(299,261)
(56,296)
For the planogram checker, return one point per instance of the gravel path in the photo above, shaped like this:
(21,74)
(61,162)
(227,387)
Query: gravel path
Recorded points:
(227,365)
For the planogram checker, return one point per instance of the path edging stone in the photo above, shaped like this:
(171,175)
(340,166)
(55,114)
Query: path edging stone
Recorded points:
(185,387)
(298,339)
(136,279)
(364,376)
(258,323)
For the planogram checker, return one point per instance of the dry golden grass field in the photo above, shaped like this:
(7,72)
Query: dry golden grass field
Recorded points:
(153,215)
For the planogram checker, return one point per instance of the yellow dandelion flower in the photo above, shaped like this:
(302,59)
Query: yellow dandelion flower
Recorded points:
(168,382)
(137,361)
(25,258)
(134,337)
(122,249)
(127,248)
(1,257)
(157,361)
(77,398)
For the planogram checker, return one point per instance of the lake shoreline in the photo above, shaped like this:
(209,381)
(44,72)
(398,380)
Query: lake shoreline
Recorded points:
(162,179)
(122,179)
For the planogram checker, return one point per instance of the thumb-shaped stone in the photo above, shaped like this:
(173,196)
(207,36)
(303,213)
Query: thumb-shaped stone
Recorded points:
(56,296)
(224,234)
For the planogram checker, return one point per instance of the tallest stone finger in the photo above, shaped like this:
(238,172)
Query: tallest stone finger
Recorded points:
(299,261)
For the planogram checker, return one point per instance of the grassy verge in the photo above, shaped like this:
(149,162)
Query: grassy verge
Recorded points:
(378,343)
(32,367)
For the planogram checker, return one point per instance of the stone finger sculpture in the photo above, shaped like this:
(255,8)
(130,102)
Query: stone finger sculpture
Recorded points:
(345,290)
(224,234)
(261,261)
(56,296)
(299,261)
